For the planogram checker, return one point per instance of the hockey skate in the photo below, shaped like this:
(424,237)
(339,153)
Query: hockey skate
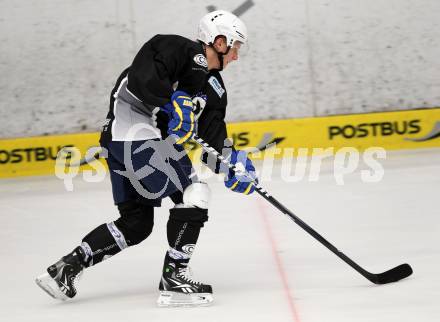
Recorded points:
(177,287)
(59,281)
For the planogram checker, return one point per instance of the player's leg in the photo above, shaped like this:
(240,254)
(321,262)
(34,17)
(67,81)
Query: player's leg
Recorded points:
(133,226)
(167,171)
(177,286)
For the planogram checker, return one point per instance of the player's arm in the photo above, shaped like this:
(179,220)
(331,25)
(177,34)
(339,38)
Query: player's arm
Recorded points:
(181,116)
(150,75)
(192,75)
(161,62)
(212,129)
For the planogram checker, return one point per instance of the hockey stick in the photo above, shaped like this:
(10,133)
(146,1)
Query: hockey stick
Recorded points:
(393,275)
(86,160)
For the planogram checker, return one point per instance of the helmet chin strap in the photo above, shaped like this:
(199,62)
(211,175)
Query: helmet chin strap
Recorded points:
(220,56)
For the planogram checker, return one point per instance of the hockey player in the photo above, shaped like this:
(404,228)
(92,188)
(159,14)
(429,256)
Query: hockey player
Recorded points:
(172,89)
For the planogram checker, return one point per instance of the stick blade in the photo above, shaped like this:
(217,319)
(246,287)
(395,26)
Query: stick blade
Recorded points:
(393,275)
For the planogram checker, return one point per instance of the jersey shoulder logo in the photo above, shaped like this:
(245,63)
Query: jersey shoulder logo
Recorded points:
(199,59)
(215,84)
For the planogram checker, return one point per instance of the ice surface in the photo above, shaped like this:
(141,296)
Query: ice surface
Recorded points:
(262,266)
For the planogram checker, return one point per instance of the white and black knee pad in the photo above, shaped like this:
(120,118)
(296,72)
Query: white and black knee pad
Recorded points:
(190,215)
(196,195)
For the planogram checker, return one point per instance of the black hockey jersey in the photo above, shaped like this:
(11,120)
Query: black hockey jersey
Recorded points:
(141,89)
(163,61)
(147,85)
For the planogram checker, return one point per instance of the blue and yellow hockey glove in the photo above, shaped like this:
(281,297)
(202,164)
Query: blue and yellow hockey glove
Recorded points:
(238,181)
(180,110)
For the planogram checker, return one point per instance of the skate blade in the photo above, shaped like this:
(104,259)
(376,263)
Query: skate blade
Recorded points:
(48,284)
(175,299)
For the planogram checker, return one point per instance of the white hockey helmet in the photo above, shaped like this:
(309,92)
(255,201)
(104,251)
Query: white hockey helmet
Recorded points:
(222,23)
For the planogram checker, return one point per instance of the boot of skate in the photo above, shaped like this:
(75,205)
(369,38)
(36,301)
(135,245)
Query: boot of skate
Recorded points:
(178,288)
(59,281)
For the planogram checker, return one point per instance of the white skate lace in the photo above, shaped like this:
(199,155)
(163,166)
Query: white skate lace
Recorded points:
(186,274)
(76,278)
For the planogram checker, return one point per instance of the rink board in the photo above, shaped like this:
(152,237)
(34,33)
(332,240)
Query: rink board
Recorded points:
(390,130)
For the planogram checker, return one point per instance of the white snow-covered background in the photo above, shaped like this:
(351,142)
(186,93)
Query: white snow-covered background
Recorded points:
(60,59)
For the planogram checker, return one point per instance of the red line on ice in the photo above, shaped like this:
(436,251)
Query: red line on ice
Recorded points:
(278,261)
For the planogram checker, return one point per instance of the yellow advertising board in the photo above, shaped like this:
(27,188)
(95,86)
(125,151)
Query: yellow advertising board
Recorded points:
(37,155)
(391,130)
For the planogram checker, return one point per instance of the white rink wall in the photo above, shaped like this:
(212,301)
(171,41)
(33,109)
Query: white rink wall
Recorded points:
(60,59)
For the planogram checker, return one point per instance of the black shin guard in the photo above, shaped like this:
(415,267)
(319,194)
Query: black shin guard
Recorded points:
(100,244)
(134,225)
(183,228)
